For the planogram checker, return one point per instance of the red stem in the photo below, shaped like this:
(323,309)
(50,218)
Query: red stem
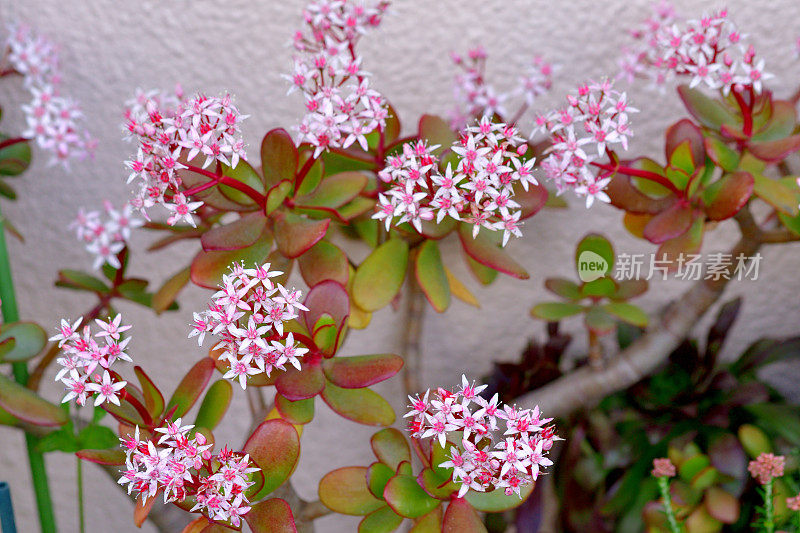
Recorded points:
(10,142)
(747,113)
(256,196)
(301,175)
(652,176)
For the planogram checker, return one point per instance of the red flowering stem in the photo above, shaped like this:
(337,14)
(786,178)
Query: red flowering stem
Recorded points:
(304,170)
(747,113)
(652,176)
(256,196)
(10,142)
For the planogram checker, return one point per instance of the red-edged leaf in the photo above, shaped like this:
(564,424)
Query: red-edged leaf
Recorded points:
(629,288)
(191,387)
(670,223)
(26,405)
(725,197)
(324,261)
(629,198)
(20,341)
(532,200)
(364,406)
(345,491)
(276,195)
(165,296)
(296,412)
(460,517)
(154,400)
(430,274)
(275,447)
(407,498)
(709,112)
(688,243)
(776,193)
(208,267)
(114,457)
(301,384)
(278,157)
(379,278)
(271,516)
(497,501)
(781,124)
(430,523)
(361,370)
(214,405)
(436,130)
(326,298)
(236,235)
(685,131)
(720,153)
(564,288)
(244,173)
(390,447)
(485,251)
(378,475)
(382,520)
(294,234)
(142,509)
(335,191)
(777,150)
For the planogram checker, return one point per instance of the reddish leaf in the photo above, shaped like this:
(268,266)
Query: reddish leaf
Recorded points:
(191,387)
(722,505)
(460,517)
(275,447)
(26,405)
(686,131)
(361,370)
(564,288)
(142,509)
(301,384)
(335,191)
(345,491)
(628,198)
(326,298)
(294,234)
(236,235)
(709,112)
(380,276)
(629,288)
(430,274)
(532,200)
(364,406)
(407,498)
(670,223)
(781,124)
(725,197)
(113,457)
(154,400)
(278,157)
(777,150)
(485,251)
(271,516)
(688,243)
(324,261)
(208,267)
(436,130)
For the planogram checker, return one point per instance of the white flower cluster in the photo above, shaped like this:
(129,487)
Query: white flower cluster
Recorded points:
(172,131)
(104,239)
(86,360)
(247,315)
(595,119)
(710,50)
(182,466)
(464,421)
(480,190)
(341,108)
(53,121)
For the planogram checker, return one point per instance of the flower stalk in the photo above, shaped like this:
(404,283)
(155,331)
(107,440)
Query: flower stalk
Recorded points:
(663,487)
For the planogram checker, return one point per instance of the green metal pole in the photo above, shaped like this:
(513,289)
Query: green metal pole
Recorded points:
(10,313)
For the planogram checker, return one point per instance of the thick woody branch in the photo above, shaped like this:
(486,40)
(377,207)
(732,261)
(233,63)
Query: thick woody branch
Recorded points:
(412,337)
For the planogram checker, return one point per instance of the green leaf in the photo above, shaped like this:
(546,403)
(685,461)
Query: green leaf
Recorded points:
(324,261)
(63,440)
(483,274)
(97,437)
(407,498)
(596,244)
(630,313)
(390,447)
(240,233)
(14,159)
(775,193)
(275,447)
(601,287)
(26,405)
(77,280)
(270,516)
(246,174)
(154,400)
(276,195)
(485,250)
(599,321)
(335,191)
(214,405)
(460,517)
(208,267)
(364,406)
(165,296)
(279,158)
(778,419)
(682,159)
(563,287)
(112,457)
(781,124)
(432,279)
(19,341)
(314,175)
(684,145)
(296,412)
(378,475)
(721,154)
(710,113)
(295,235)
(7,191)
(345,491)
(190,387)
(497,501)
(361,370)
(555,311)
(382,520)
(379,278)
(726,196)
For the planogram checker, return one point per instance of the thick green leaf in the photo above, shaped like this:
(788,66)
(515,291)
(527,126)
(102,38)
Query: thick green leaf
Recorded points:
(345,491)
(296,412)
(335,191)
(432,279)
(781,124)
(271,516)
(26,405)
(563,287)
(364,406)
(246,174)
(191,387)
(166,295)
(214,405)
(555,311)
(154,400)
(711,113)
(295,235)
(75,279)
(378,475)
(599,321)
(497,501)
(114,457)
(439,487)
(208,267)
(314,175)
(324,261)
(628,312)
(382,520)
(14,159)
(19,341)
(407,498)
(390,447)
(721,154)
(775,193)
(275,447)
(460,517)
(726,196)
(595,244)
(483,274)
(279,158)
(685,133)
(486,251)
(778,419)
(361,370)
(379,278)
(240,233)
(97,437)
(276,195)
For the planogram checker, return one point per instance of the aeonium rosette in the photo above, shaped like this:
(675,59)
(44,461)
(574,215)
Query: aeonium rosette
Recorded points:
(248,314)
(464,422)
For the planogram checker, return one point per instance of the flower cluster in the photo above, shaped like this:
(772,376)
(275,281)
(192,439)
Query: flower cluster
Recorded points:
(86,360)
(595,119)
(53,121)
(182,466)
(710,50)
(766,466)
(105,238)
(480,190)
(247,315)
(663,467)
(478,462)
(341,107)
(170,133)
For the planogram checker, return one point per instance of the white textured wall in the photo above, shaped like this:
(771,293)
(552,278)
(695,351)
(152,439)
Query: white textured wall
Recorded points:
(111,47)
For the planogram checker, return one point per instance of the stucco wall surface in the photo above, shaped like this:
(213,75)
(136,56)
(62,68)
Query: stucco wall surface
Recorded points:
(111,47)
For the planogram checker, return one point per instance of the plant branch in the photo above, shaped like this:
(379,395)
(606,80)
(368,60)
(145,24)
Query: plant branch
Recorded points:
(412,334)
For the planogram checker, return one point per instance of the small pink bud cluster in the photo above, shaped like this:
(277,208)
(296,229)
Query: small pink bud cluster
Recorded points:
(480,190)
(478,462)
(793,503)
(710,50)
(86,360)
(663,467)
(595,119)
(53,121)
(170,134)
(182,466)
(247,314)
(766,467)
(104,239)
(341,108)
(538,79)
